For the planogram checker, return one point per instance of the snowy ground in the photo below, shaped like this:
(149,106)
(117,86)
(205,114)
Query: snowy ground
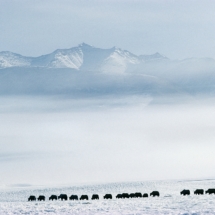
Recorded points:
(14,200)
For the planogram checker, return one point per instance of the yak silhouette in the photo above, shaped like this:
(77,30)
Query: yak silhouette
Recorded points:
(138,195)
(32,198)
(119,196)
(73,197)
(95,196)
(185,192)
(107,196)
(199,192)
(41,198)
(53,197)
(84,197)
(125,195)
(132,195)
(210,191)
(155,193)
(62,197)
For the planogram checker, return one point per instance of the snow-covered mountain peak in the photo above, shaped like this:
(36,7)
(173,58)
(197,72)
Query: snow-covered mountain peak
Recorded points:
(10,59)
(158,55)
(125,53)
(82,57)
(60,58)
(85,45)
(119,61)
(10,54)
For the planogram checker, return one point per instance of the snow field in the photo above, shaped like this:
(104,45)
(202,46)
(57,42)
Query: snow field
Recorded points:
(170,202)
(162,205)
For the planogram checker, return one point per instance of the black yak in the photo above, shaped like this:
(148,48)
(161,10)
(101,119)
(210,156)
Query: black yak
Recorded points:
(155,193)
(95,196)
(41,198)
(62,197)
(32,198)
(185,192)
(73,197)
(84,197)
(199,192)
(107,196)
(145,195)
(53,197)
(210,191)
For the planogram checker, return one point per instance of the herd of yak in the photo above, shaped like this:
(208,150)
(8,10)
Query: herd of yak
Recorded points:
(94,196)
(118,196)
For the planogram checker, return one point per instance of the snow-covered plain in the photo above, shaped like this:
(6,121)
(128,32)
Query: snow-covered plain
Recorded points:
(13,200)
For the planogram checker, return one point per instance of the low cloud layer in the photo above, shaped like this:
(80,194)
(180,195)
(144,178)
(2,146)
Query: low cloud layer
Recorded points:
(59,141)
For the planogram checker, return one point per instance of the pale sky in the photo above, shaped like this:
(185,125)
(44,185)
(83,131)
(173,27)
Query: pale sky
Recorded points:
(175,28)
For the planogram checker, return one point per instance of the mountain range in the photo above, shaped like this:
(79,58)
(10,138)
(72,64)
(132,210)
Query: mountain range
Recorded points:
(82,57)
(86,70)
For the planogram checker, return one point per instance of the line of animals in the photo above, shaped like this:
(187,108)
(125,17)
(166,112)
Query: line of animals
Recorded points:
(94,196)
(118,196)
(198,192)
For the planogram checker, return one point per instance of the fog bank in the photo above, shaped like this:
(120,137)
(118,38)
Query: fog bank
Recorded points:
(47,140)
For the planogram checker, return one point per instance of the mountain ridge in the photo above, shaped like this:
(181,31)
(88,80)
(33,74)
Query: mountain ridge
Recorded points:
(86,70)
(81,57)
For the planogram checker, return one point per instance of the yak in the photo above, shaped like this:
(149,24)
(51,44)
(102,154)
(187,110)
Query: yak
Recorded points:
(185,192)
(84,197)
(199,192)
(95,196)
(73,197)
(41,198)
(145,195)
(53,197)
(107,196)
(138,195)
(119,196)
(32,198)
(62,197)
(125,195)
(132,195)
(155,193)
(210,191)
